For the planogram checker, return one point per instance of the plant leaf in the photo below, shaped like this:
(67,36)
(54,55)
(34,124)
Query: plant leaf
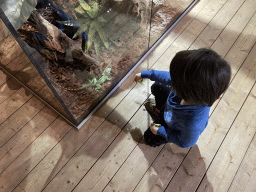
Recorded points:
(85,26)
(84,5)
(91,34)
(95,9)
(102,36)
(82,29)
(101,19)
(81,21)
(79,31)
(97,46)
(80,10)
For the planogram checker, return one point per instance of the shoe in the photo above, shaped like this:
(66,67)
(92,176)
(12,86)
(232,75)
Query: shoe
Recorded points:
(153,140)
(150,106)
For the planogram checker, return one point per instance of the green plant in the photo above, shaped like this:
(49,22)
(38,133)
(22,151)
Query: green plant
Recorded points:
(17,11)
(97,83)
(91,23)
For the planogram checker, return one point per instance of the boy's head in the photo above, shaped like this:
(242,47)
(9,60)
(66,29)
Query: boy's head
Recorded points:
(199,75)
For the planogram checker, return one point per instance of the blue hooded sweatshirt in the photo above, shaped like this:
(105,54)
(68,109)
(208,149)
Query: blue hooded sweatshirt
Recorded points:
(184,122)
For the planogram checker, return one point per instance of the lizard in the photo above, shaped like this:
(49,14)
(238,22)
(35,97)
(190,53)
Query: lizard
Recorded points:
(97,83)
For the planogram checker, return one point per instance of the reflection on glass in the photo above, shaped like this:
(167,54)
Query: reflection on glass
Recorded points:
(88,46)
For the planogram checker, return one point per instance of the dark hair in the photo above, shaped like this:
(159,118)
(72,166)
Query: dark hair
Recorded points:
(199,75)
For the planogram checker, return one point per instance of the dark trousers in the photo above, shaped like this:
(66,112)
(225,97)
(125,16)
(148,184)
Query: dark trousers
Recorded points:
(161,94)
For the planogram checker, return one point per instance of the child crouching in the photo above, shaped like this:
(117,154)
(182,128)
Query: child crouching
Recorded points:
(184,95)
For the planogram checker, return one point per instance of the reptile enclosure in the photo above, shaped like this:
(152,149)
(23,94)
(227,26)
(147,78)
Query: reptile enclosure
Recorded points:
(82,49)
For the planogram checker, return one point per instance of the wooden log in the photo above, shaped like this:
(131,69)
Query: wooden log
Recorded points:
(51,42)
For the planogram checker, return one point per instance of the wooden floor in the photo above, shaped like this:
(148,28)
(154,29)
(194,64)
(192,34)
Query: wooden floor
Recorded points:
(40,151)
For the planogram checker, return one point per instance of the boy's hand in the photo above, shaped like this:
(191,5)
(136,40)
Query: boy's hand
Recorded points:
(154,128)
(137,77)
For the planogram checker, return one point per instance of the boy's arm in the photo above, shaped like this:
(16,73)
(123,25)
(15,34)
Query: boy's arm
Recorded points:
(158,76)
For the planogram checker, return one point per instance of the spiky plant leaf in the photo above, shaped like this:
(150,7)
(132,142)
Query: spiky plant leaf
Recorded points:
(80,10)
(82,29)
(86,26)
(84,5)
(79,31)
(18,11)
(97,46)
(92,25)
(101,19)
(91,34)
(102,36)
(95,9)
(81,21)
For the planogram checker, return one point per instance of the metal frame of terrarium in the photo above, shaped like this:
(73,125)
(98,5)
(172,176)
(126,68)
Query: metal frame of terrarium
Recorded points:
(34,60)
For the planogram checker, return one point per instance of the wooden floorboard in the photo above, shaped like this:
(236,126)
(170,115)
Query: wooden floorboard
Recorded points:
(40,151)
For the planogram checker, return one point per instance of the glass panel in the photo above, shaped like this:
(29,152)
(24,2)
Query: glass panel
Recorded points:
(14,62)
(83,48)
(164,14)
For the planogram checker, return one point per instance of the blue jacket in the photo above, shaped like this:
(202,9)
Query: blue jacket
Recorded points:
(185,122)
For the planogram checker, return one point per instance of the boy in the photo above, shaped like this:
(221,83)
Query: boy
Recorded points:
(184,95)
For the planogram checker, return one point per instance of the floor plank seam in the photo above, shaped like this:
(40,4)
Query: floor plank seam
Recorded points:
(21,127)
(9,79)
(243,62)
(232,49)
(90,137)
(162,148)
(241,161)
(178,168)
(33,96)
(149,167)
(227,23)
(167,47)
(26,147)
(108,147)
(241,33)
(207,168)
(44,155)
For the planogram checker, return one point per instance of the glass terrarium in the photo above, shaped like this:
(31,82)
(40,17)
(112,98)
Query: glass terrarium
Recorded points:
(84,49)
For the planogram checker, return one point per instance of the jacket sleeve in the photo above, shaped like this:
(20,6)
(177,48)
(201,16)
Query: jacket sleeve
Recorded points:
(183,139)
(158,76)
